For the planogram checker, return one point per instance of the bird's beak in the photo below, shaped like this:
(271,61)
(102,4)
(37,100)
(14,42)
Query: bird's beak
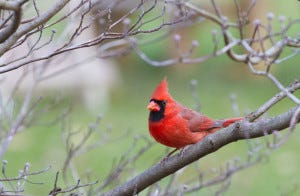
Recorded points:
(152,106)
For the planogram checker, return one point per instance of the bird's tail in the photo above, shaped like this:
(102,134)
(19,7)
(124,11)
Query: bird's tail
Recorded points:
(223,123)
(229,121)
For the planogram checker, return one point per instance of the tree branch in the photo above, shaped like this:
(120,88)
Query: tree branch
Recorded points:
(15,6)
(240,131)
(46,16)
(275,99)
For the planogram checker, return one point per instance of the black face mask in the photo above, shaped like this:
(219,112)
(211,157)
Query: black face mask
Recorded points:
(156,116)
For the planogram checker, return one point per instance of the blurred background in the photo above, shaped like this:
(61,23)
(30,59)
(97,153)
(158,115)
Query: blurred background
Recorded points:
(121,99)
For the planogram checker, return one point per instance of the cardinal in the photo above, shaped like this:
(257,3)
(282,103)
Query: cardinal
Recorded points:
(174,125)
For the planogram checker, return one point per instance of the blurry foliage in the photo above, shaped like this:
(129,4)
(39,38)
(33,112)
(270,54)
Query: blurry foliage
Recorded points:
(217,79)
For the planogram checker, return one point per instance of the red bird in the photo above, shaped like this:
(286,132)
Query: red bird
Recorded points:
(174,125)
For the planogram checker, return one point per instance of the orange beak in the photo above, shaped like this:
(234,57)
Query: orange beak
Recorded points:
(152,106)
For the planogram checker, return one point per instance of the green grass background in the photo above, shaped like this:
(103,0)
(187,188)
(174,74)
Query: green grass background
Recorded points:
(217,78)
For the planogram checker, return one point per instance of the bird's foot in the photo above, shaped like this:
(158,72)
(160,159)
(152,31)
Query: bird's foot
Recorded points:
(168,156)
(181,152)
(164,160)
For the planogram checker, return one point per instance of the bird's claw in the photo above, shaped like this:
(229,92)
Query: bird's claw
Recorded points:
(181,152)
(168,155)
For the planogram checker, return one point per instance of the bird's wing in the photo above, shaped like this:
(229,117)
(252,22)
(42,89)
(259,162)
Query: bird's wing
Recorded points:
(198,122)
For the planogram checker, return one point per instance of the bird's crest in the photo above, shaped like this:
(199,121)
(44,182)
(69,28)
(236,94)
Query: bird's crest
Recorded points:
(161,91)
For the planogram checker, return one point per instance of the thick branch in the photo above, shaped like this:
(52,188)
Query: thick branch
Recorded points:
(213,142)
(11,5)
(16,18)
(46,16)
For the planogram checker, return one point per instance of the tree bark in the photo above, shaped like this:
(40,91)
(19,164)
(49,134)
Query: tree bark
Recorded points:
(239,131)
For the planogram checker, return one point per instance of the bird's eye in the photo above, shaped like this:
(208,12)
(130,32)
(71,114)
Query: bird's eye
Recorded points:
(164,102)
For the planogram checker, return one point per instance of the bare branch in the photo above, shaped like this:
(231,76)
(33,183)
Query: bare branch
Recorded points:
(208,145)
(275,81)
(16,184)
(275,99)
(15,6)
(259,47)
(57,190)
(26,28)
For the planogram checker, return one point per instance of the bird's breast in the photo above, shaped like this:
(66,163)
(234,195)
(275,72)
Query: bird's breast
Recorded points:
(173,132)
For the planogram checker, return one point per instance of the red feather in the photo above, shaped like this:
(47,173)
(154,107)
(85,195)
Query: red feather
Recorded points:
(174,125)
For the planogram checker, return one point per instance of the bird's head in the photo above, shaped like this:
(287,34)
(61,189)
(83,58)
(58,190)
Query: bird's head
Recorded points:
(159,101)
